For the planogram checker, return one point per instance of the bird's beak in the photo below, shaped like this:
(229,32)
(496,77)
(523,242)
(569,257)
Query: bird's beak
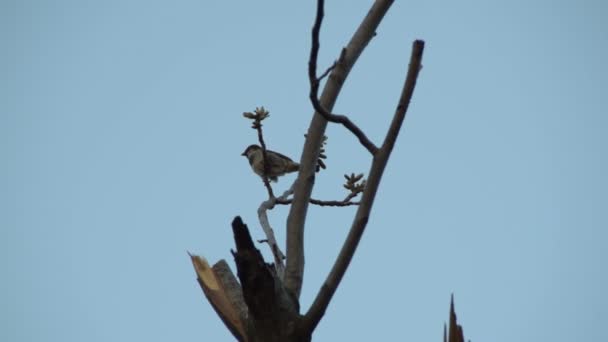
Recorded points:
(244,154)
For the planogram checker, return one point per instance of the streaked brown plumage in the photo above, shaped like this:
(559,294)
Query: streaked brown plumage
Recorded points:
(278,163)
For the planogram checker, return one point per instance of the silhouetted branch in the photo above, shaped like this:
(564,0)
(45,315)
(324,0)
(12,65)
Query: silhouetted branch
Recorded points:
(326,72)
(354,183)
(315,81)
(323,203)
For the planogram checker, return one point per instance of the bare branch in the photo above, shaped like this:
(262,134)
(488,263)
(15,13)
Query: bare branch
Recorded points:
(266,166)
(333,203)
(346,122)
(326,72)
(406,96)
(354,183)
(344,203)
(317,309)
(278,255)
(294,269)
(351,196)
(315,81)
(270,238)
(257,116)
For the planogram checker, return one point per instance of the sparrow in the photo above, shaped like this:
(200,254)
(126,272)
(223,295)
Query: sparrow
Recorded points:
(278,163)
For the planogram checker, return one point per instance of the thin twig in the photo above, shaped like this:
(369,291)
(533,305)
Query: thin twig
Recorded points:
(315,81)
(326,72)
(264,158)
(350,196)
(333,203)
(343,203)
(322,203)
(318,307)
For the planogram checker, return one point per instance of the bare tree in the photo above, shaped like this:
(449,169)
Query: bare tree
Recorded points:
(263,305)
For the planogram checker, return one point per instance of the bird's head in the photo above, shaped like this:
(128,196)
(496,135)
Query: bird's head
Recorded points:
(250,149)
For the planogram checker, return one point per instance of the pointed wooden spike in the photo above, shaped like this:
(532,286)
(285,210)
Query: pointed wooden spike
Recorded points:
(455,333)
(220,295)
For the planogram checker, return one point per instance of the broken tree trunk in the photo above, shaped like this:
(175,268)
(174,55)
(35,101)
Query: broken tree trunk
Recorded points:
(273,312)
(260,309)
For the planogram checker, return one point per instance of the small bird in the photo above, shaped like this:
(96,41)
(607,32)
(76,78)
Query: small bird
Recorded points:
(278,163)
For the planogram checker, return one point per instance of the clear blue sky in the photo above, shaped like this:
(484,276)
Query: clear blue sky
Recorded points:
(120,135)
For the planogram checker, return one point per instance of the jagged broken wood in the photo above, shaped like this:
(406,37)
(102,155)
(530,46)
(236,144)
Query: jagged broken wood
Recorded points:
(273,312)
(454,333)
(224,293)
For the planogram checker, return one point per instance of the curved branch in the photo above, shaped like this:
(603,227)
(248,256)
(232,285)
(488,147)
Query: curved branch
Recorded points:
(294,269)
(346,122)
(278,255)
(270,238)
(315,81)
(317,309)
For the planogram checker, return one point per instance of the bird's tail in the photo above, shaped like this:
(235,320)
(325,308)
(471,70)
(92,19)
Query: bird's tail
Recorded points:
(293,167)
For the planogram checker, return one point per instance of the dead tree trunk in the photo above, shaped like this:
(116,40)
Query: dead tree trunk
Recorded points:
(273,312)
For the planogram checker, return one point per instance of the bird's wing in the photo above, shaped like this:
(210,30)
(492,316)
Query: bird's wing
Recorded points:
(280,155)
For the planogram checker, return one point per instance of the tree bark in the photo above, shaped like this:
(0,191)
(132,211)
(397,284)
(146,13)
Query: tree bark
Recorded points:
(273,312)
(294,269)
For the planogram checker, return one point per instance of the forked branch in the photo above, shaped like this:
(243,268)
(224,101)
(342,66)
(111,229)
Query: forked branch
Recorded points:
(294,269)
(317,309)
(354,183)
